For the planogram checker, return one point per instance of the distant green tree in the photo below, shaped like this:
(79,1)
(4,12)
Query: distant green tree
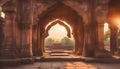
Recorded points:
(107,37)
(49,41)
(66,41)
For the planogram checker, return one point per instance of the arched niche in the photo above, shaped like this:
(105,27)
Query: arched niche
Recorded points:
(65,13)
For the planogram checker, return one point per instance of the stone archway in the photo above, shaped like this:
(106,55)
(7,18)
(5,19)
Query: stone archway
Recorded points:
(62,12)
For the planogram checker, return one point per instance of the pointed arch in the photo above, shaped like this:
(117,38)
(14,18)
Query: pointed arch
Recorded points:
(63,12)
(61,23)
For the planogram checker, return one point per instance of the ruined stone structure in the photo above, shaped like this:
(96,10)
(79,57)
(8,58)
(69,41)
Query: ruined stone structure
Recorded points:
(22,31)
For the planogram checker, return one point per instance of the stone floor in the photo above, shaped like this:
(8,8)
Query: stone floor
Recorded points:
(66,65)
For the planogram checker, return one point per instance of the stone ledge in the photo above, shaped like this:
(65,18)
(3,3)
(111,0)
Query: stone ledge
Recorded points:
(9,62)
(114,59)
(15,62)
(26,60)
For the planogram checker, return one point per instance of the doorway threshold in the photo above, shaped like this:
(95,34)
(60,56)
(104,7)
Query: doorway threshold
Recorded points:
(73,57)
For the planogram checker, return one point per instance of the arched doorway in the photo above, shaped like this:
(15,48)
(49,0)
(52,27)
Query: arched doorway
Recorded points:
(60,13)
(58,37)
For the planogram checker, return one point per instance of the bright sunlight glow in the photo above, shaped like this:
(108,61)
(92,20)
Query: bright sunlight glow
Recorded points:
(2,15)
(106,27)
(119,25)
(57,32)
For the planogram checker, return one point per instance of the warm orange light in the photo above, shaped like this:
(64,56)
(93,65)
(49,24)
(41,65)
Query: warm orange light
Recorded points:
(116,20)
(119,25)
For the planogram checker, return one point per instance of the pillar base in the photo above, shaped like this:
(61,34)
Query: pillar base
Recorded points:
(103,54)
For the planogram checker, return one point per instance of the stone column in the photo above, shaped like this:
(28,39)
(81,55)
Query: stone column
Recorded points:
(1,31)
(41,40)
(79,39)
(25,21)
(1,36)
(8,52)
(113,40)
(88,49)
(99,48)
(35,40)
(75,35)
(100,36)
(8,30)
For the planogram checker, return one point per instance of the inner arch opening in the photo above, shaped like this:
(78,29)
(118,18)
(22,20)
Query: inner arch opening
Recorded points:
(59,37)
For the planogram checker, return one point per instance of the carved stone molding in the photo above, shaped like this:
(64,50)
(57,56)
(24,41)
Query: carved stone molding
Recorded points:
(101,10)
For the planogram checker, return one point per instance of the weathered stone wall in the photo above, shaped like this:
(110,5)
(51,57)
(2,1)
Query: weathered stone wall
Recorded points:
(92,12)
(22,31)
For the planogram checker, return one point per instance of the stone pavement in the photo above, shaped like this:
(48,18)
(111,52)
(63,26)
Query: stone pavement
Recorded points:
(66,65)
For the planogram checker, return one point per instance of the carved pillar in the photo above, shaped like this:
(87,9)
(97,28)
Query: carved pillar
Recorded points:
(41,40)
(76,50)
(100,30)
(113,40)
(79,39)
(8,49)
(1,36)
(99,46)
(1,31)
(35,39)
(25,20)
(88,47)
